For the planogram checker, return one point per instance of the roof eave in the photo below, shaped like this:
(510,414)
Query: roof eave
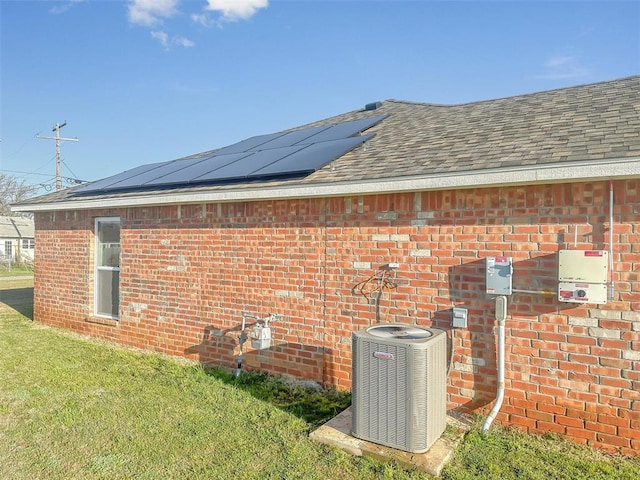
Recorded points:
(581,171)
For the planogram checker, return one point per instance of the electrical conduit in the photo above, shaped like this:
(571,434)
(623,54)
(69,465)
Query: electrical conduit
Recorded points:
(501,316)
(611,282)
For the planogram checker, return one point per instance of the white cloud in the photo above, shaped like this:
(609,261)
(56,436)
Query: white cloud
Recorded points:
(151,12)
(167,42)
(155,13)
(162,37)
(202,19)
(65,6)
(564,66)
(183,42)
(230,10)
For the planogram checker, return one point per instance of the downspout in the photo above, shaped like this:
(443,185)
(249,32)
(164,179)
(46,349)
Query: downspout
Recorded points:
(501,316)
(611,283)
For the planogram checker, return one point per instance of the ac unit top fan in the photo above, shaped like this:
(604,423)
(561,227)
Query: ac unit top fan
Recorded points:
(400,332)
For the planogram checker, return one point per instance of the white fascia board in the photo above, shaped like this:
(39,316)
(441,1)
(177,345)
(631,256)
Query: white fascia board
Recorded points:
(523,175)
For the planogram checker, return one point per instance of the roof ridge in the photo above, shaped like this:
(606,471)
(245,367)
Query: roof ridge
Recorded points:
(510,97)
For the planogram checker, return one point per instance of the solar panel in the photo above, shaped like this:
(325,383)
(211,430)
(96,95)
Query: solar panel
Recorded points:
(252,143)
(196,169)
(278,154)
(311,158)
(150,176)
(243,169)
(345,129)
(106,182)
(293,138)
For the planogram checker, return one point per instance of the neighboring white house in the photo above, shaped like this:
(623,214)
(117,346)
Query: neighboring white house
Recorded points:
(17,242)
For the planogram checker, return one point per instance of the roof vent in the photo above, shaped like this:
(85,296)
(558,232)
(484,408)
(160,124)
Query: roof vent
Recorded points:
(373,106)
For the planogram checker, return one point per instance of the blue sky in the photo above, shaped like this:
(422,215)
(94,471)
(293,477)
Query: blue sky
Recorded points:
(145,81)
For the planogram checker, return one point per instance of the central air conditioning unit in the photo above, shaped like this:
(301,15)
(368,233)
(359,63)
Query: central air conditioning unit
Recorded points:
(399,386)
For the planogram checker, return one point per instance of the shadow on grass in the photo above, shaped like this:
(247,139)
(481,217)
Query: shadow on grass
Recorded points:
(312,404)
(18,299)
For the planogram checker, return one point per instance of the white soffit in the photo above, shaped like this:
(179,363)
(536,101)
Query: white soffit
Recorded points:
(569,172)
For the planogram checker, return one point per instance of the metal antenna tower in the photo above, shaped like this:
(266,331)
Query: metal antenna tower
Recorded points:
(57,138)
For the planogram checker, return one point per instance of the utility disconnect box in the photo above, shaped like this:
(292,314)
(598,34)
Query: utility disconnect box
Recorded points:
(499,272)
(582,276)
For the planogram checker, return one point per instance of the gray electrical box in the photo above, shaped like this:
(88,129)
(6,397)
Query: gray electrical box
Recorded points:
(459,317)
(499,272)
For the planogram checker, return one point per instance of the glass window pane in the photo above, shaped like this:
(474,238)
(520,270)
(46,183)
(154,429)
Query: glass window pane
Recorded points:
(109,232)
(108,292)
(109,255)
(108,244)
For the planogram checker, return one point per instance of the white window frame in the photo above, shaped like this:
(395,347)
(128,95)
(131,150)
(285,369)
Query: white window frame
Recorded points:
(28,244)
(98,268)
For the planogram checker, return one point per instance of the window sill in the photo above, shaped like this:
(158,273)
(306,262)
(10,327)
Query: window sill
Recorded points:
(111,322)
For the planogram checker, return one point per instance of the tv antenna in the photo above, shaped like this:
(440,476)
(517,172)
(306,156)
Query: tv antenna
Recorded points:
(58,139)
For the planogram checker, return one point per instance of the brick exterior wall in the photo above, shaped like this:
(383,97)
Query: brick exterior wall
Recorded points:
(188,271)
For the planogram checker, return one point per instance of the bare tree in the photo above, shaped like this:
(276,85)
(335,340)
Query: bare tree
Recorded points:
(13,191)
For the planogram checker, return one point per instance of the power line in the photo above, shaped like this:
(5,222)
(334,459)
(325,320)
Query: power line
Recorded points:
(18,150)
(47,186)
(69,168)
(57,138)
(68,180)
(53,158)
(26,173)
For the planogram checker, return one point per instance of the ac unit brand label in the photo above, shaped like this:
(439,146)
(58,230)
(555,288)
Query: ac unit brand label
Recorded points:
(383,355)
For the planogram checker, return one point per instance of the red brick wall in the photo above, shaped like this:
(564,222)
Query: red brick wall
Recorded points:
(188,272)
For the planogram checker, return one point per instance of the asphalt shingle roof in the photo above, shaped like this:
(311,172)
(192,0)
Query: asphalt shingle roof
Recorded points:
(16,227)
(599,121)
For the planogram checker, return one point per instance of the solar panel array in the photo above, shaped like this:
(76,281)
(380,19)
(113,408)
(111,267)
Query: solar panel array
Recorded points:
(284,154)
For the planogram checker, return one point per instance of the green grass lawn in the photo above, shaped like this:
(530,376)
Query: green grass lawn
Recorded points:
(16,271)
(72,408)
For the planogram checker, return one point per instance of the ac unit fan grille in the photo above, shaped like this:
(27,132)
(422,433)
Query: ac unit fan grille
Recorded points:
(389,377)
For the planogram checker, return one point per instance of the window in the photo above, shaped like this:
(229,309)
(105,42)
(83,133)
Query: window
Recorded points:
(8,249)
(107,274)
(28,243)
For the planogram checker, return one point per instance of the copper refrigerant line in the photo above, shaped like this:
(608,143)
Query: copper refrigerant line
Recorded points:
(376,282)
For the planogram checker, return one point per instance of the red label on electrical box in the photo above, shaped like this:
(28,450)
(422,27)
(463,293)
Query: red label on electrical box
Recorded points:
(501,259)
(593,253)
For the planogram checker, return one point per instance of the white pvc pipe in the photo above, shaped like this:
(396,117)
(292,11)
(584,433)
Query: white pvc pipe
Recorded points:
(501,354)
(611,284)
